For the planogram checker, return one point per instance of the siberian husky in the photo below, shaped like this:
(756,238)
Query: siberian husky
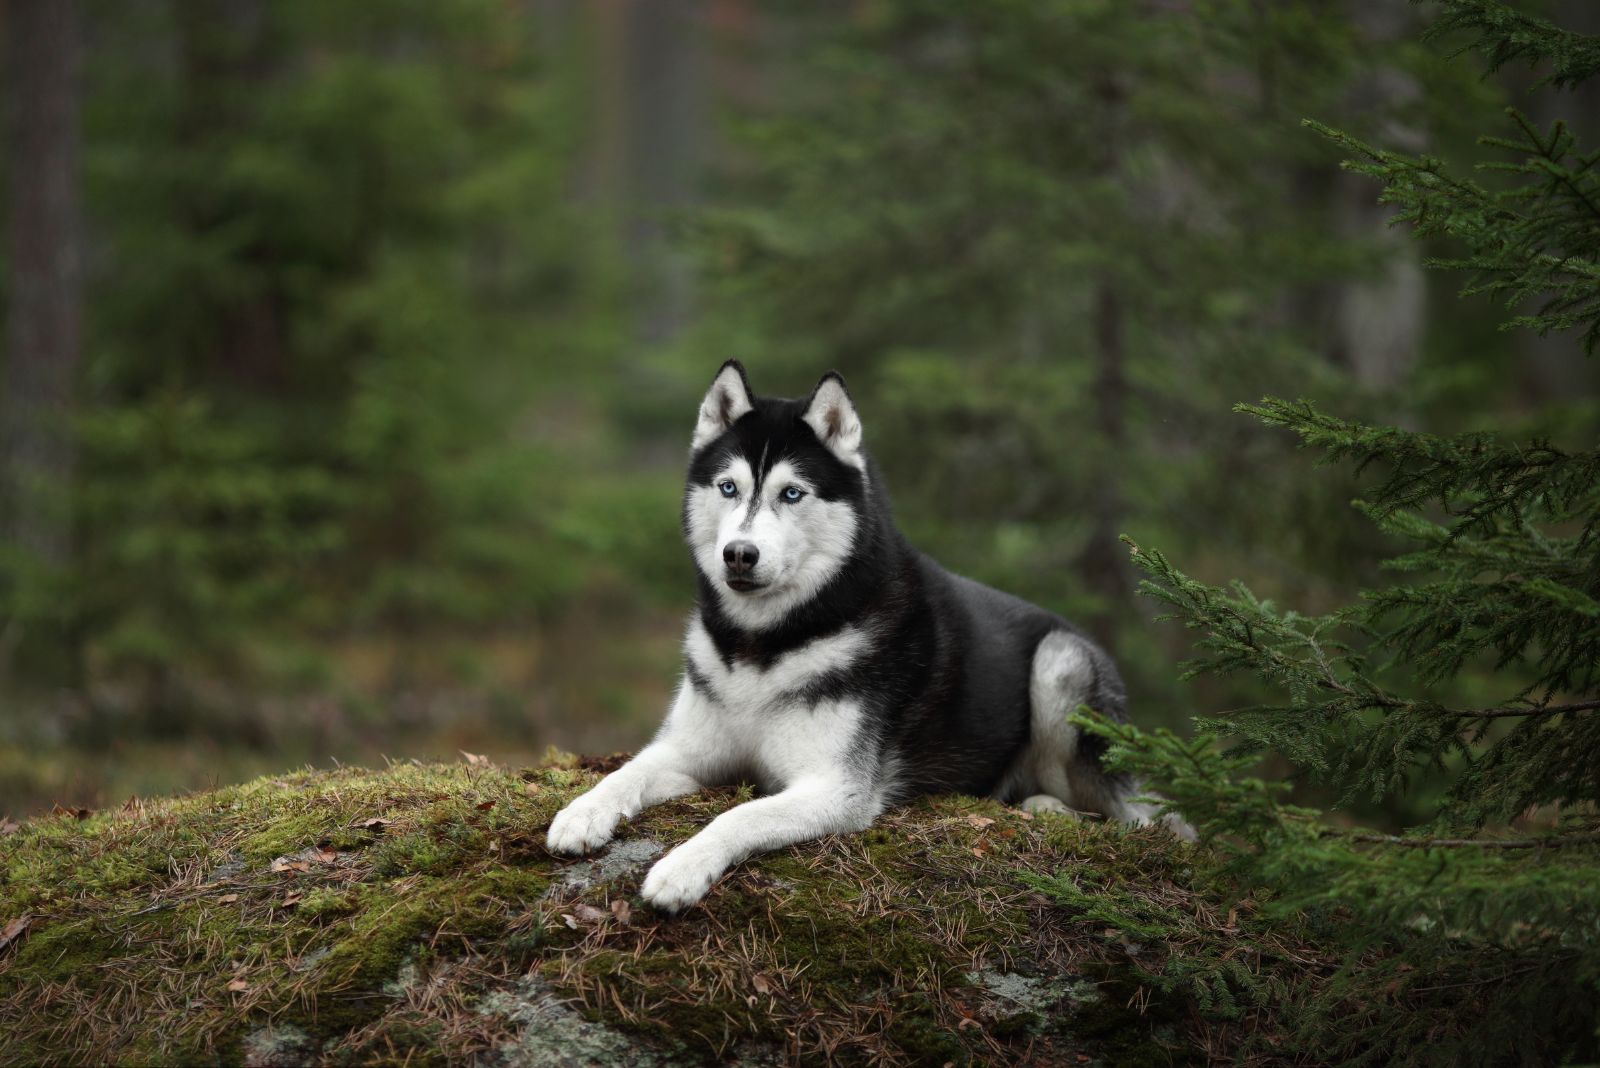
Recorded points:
(835,666)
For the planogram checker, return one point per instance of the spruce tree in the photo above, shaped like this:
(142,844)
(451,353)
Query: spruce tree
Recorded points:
(1472,937)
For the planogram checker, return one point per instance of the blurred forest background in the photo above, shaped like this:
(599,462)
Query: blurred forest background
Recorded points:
(351,350)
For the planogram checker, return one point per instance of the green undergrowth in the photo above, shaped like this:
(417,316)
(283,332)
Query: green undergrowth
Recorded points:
(1244,976)
(412,915)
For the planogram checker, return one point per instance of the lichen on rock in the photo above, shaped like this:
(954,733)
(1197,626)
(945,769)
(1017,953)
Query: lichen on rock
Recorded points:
(550,1033)
(625,859)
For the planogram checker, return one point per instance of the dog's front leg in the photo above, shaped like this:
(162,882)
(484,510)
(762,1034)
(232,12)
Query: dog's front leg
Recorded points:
(671,766)
(658,773)
(807,809)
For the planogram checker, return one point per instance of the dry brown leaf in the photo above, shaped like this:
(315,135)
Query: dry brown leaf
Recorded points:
(238,986)
(570,920)
(227,899)
(326,856)
(283,864)
(77,813)
(967,1023)
(376,824)
(9,826)
(1025,816)
(290,900)
(590,914)
(484,806)
(622,911)
(761,985)
(979,821)
(474,759)
(531,788)
(14,930)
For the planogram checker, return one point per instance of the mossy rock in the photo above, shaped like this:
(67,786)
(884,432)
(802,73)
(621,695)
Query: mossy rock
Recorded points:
(412,915)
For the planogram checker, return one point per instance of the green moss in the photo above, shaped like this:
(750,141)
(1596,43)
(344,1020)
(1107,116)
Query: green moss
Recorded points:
(858,944)
(63,953)
(391,923)
(924,1040)
(122,908)
(322,904)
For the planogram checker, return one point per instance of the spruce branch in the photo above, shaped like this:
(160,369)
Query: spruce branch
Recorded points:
(1511,712)
(1504,35)
(1545,842)
(1533,238)
(1338,721)
(1475,477)
(1515,572)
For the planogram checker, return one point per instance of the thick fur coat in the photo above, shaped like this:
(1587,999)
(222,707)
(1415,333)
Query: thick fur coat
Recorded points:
(835,666)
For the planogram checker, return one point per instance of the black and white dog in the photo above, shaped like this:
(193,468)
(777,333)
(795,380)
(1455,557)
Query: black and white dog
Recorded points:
(834,665)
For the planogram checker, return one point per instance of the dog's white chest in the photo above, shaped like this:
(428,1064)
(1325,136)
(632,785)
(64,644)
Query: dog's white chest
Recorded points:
(742,687)
(765,719)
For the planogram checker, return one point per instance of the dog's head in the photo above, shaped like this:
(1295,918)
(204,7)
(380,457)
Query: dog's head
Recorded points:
(775,489)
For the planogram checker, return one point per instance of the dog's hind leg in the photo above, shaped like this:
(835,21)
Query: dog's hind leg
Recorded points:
(1060,771)
(1061,767)
(1046,803)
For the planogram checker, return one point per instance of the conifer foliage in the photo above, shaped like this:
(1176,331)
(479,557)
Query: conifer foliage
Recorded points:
(1480,663)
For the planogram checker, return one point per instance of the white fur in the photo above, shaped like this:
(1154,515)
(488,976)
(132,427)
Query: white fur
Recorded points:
(801,752)
(751,721)
(724,403)
(659,772)
(832,417)
(1045,803)
(1046,773)
(1058,683)
(749,687)
(802,544)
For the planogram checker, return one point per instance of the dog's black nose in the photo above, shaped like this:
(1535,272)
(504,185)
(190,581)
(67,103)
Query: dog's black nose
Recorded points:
(741,556)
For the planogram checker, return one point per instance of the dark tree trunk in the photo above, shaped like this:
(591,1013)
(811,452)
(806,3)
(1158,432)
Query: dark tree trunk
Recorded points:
(1103,564)
(1379,323)
(651,119)
(226,62)
(44,295)
(664,110)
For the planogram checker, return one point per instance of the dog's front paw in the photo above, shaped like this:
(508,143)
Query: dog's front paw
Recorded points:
(681,878)
(581,827)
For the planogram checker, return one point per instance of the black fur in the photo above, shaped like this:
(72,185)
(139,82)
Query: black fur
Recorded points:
(946,683)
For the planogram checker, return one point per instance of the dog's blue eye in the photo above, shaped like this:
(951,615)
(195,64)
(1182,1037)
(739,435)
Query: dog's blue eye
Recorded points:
(792,494)
(727,487)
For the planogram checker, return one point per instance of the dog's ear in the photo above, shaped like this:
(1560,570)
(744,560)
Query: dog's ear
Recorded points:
(831,415)
(726,400)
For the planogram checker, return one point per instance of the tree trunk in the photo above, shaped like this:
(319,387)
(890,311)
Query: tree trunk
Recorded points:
(226,63)
(44,296)
(650,139)
(1103,564)
(1379,322)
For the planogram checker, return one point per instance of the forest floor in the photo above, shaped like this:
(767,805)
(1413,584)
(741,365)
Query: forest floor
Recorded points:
(412,915)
